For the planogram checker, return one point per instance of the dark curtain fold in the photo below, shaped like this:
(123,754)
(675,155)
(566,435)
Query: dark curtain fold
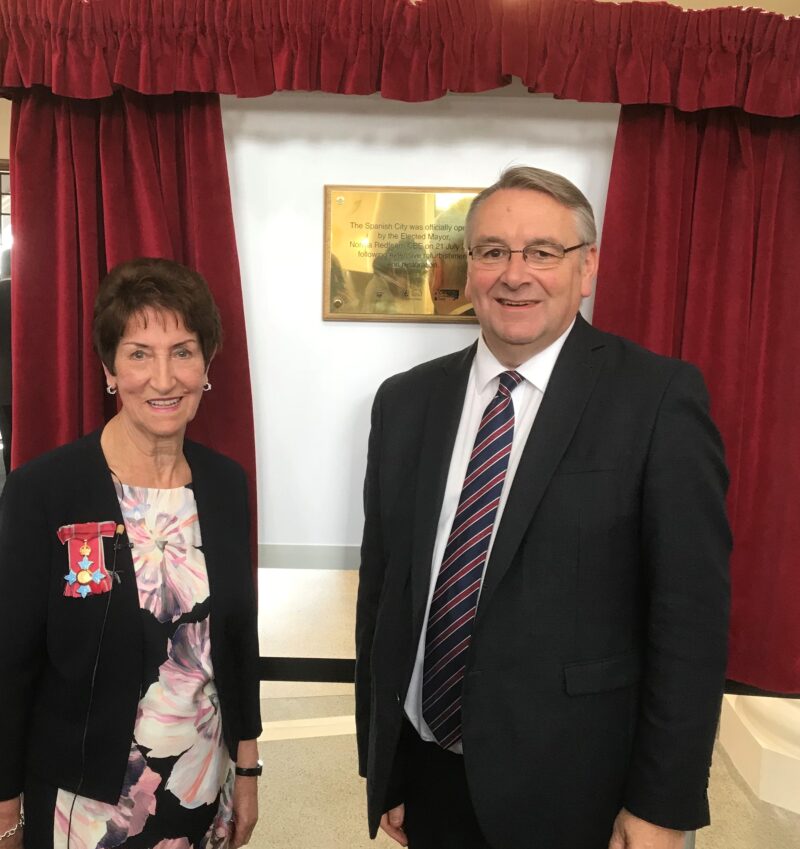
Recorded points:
(95,183)
(580,49)
(700,260)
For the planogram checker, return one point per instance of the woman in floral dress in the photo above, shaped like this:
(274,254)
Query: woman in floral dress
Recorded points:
(130,646)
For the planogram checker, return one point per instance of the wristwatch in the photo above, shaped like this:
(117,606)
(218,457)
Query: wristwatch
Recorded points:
(251,771)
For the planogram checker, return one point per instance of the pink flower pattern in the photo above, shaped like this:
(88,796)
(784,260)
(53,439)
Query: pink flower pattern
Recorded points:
(170,569)
(219,831)
(93,821)
(179,715)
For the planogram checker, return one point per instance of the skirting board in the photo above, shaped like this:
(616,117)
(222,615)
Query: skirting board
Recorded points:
(308,556)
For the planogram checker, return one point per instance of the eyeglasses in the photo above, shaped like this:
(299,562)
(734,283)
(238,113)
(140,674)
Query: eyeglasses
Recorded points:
(541,255)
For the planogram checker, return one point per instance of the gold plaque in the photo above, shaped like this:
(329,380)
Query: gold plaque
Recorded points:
(396,254)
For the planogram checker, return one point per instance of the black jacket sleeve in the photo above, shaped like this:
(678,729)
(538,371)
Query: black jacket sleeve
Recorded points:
(247,633)
(686,544)
(371,575)
(24,558)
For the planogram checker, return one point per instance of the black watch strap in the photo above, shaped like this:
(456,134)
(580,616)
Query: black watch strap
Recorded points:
(251,771)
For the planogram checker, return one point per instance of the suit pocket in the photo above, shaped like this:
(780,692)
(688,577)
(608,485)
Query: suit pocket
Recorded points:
(600,676)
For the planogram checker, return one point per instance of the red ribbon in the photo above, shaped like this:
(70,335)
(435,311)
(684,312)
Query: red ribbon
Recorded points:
(87,573)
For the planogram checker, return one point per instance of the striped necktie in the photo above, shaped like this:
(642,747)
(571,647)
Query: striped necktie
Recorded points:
(455,597)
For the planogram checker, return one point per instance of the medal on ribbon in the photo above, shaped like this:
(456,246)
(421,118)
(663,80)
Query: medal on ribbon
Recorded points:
(87,573)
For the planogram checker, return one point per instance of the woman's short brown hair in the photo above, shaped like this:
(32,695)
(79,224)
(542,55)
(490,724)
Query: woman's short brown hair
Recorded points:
(131,287)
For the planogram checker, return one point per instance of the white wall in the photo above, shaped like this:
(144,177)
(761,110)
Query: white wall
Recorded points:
(313,381)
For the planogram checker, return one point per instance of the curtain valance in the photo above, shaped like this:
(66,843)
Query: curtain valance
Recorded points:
(407,49)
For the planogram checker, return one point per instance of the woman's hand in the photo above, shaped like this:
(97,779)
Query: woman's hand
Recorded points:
(14,842)
(245,796)
(9,817)
(245,810)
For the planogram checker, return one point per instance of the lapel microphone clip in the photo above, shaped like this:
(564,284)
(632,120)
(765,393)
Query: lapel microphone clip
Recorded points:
(118,544)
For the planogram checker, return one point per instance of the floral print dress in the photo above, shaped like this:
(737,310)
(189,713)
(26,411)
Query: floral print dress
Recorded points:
(178,786)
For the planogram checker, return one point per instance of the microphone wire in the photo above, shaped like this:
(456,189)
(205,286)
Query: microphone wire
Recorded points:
(115,577)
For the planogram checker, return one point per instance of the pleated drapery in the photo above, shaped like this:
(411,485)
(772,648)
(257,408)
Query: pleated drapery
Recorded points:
(700,261)
(580,49)
(699,254)
(97,182)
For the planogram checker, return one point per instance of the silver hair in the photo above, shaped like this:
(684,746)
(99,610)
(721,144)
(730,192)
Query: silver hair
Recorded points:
(537,180)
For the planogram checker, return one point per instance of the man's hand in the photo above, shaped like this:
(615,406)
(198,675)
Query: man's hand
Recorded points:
(392,824)
(630,832)
(245,810)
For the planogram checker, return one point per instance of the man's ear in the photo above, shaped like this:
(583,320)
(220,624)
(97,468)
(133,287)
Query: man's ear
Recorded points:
(588,271)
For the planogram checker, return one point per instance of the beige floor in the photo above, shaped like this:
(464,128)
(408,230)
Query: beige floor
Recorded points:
(739,819)
(306,613)
(311,795)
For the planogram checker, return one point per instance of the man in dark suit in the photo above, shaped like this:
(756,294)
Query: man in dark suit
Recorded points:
(543,599)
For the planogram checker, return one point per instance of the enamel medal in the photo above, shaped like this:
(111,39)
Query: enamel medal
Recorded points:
(87,573)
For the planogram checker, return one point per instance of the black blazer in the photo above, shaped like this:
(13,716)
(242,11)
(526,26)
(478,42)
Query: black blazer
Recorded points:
(597,661)
(48,643)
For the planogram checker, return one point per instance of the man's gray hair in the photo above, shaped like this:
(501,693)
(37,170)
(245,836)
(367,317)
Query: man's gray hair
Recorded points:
(537,180)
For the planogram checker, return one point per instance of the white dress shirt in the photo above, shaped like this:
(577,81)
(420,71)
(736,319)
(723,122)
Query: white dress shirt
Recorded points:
(484,379)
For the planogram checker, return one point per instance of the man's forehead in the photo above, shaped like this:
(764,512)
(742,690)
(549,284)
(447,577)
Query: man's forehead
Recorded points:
(522,199)
(538,238)
(536,214)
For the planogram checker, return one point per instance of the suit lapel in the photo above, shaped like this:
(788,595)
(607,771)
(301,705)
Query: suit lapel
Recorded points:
(209,511)
(439,434)
(568,391)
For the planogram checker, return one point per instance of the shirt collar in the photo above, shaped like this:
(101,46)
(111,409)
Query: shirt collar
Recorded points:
(536,370)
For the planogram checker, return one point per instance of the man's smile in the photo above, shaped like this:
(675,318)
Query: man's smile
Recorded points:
(516,304)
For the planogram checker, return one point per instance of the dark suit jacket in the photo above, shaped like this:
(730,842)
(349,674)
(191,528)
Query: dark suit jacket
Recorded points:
(48,643)
(597,661)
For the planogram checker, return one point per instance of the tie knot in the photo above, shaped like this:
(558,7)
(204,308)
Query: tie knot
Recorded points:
(509,380)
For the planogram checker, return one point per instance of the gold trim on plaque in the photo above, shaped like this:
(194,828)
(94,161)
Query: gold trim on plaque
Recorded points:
(395,253)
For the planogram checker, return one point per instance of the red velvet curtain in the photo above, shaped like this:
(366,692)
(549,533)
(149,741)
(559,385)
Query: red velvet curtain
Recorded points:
(700,260)
(627,53)
(94,183)
(697,247)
